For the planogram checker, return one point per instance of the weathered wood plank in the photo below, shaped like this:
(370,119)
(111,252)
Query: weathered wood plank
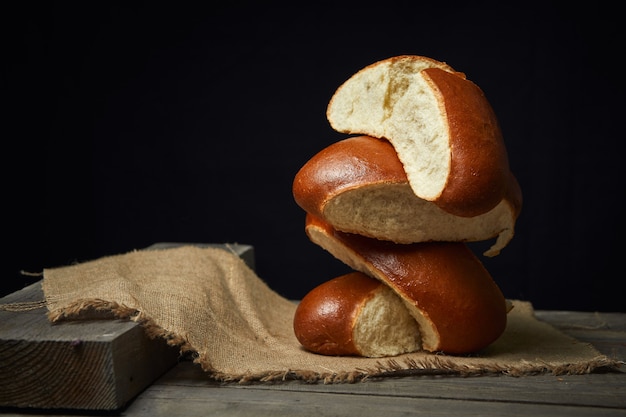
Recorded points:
(581,320)
(97,365)
(90,365)
(186,391)
(594,390)
(218,402)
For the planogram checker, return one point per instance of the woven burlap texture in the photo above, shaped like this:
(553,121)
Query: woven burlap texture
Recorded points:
(212,305)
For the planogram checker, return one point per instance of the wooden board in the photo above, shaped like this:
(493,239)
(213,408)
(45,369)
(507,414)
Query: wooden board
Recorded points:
(88,365)
(186,390)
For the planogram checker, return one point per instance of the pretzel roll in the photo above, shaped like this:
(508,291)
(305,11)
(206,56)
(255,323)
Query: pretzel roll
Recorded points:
(355,315)
(453,298)
(359,185)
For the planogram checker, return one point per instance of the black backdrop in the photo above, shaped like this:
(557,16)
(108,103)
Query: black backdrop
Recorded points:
(135,123)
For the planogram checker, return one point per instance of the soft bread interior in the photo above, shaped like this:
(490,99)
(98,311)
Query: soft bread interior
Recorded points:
(384,327)
(427,330)
(392,100)
(393,212)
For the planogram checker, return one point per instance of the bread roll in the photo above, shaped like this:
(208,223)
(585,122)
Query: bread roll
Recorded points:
(458,306)
(441,125)
(359,185)
(355,315)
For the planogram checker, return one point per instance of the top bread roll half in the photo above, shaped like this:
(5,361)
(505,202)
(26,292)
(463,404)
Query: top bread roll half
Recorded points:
(441,125)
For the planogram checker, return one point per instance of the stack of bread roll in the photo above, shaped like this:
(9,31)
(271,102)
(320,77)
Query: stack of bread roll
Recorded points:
(423,171)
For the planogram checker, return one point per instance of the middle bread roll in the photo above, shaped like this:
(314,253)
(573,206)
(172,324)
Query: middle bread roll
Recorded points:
(359,185)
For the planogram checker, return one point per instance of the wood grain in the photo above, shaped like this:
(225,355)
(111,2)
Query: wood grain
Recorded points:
(97,365)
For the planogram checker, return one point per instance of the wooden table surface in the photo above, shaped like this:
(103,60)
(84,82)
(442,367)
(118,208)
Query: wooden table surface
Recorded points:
(185,390)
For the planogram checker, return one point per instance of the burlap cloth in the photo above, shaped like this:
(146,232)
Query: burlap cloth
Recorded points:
(211,304)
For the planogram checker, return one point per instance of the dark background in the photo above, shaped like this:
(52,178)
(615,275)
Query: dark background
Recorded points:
(134,123)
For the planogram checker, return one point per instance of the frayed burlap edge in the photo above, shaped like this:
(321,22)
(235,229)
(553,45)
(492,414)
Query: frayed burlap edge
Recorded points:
(431,365)
(102,309)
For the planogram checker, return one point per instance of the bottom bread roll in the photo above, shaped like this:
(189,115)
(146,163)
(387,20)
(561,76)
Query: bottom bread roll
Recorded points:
(456,303)
(355,314)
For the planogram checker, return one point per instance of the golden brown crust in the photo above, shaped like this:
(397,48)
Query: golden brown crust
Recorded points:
(347,164)
(444,281)
(479,168)
(440,123)
(366,172)
(439,141)
(325,317)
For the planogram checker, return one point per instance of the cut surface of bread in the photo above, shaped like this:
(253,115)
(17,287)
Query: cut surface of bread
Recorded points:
(358,185)
(355,314)
(441,125)
(458,306)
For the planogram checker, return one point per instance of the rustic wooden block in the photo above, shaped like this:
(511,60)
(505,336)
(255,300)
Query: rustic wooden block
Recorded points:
(86,365)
